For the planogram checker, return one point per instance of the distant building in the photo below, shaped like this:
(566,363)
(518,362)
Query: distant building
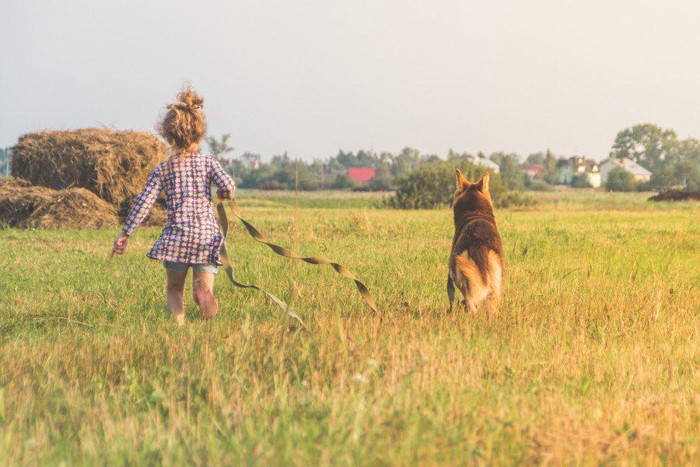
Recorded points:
(579,165)
(534,171)
(485,163)
(362,174)
(640,173)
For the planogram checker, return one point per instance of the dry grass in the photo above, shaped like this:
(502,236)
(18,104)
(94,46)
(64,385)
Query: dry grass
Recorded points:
(593,358)
(112,164)
(27,206)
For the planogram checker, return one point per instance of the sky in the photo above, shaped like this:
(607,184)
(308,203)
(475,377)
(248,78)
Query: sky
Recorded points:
(311,77)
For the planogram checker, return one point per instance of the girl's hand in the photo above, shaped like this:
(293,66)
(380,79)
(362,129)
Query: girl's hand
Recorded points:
(120,244)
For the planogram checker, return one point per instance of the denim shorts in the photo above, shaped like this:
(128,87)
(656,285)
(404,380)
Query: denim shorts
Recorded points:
(182,267)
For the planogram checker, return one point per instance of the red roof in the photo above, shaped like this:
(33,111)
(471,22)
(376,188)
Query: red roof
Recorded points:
(362,174)
(535,167)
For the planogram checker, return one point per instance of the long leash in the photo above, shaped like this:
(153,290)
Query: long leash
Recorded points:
(282,251)
(223,225)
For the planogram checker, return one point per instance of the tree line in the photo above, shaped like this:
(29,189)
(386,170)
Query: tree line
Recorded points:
(674,163)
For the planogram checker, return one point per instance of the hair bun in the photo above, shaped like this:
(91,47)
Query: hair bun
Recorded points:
(188,100)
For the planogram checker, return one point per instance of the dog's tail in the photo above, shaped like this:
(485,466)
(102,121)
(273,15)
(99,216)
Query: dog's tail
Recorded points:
(450,290)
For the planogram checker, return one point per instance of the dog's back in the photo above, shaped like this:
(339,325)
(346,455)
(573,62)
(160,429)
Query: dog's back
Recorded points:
(476,259)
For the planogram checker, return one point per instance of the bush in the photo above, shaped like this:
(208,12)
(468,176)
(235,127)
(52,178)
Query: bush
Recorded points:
(580,181)
(621,180)
(676,195)
(515,198)
(381,184)
(538,185)
(342,182)
(433,186)
(271,185)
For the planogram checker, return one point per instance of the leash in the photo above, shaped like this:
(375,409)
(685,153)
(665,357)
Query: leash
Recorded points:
(282,251)
(223,225)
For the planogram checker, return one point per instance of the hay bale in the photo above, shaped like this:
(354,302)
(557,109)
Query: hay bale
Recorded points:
(14,181)
(157,217)
(40,207)
(75,208)
(112,164)
(18,201)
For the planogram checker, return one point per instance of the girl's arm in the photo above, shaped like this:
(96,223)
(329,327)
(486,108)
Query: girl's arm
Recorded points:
(144,202)
(222,180)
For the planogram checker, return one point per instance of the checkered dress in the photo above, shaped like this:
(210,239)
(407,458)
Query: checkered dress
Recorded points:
(191,234)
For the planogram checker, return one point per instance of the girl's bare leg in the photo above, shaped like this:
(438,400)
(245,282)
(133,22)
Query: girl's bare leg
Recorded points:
(203,289)
(176,291)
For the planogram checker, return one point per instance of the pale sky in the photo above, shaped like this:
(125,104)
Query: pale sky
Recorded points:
(314,76)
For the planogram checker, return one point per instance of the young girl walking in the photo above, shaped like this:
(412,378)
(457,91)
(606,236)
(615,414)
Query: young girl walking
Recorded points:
(191,237)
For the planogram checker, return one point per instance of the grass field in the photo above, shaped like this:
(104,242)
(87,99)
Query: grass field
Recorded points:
(594,356)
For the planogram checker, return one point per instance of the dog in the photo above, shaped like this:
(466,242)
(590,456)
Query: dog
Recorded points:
(476,262)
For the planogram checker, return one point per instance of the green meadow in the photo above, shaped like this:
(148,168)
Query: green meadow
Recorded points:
(594,356)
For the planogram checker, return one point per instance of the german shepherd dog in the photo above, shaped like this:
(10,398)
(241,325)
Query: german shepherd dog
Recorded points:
(476,260)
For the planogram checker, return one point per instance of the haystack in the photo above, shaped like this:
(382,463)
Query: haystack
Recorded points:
(112,164)
(13,181)
(24,206)
(75,208)
(157,216)
(19,199)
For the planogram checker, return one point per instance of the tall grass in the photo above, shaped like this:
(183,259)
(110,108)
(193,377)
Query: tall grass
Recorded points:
(593,357)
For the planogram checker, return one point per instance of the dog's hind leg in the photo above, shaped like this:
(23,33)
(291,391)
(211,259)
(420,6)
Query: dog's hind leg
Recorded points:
(471,283)
(492,304)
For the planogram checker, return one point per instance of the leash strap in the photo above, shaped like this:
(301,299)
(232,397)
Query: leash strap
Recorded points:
(223,225)
(282,251)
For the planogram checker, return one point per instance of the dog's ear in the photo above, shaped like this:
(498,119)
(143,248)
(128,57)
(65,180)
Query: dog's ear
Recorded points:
(483,184)
(462,183)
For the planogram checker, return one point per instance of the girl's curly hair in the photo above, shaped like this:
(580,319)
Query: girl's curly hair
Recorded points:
(184,126)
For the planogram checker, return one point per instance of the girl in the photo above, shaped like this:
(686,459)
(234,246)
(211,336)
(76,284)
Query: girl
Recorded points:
(191,237)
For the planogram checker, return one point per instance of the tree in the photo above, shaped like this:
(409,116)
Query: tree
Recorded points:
(455,158)
(580,181)
(433,186)
(219,147)
(620,180)
(361,159)
(537,158)
(510,170)
(250,159)
(406,161)
(647,144)
(683,173)
(551,172)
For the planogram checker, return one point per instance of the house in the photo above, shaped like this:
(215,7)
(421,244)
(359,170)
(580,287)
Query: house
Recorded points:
(362,174)
(534,171)
(482,161)
(578,165)
(640,173)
